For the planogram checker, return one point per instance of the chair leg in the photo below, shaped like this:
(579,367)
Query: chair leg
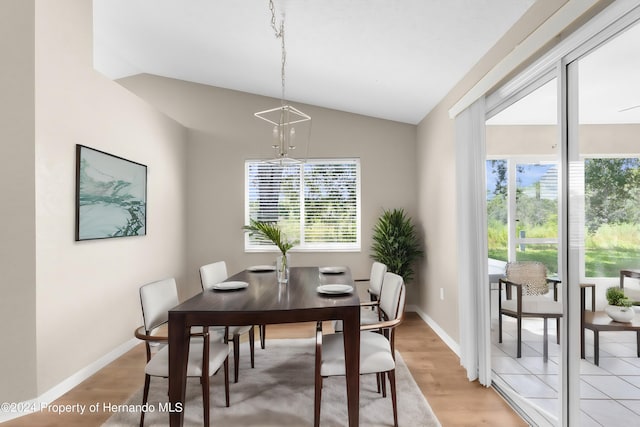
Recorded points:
(145,396)
(204,380)
(378,384)
(236,357)
(226,380)
(519,345)
(557,330)
(317,398)
(317,401)
(252,345)
(545,344)
(383,382)
(499,327)
(263,336)
(394,403)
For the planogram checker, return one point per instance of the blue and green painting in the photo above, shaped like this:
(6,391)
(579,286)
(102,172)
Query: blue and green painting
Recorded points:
(111,196)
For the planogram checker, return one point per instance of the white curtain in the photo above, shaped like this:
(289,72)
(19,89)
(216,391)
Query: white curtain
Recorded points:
(473,276)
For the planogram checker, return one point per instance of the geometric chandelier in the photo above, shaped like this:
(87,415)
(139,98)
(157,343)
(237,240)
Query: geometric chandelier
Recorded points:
(284,117)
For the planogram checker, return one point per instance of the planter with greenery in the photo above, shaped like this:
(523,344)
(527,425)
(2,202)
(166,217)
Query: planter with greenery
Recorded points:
(620,307)
(271,232)
(396,243)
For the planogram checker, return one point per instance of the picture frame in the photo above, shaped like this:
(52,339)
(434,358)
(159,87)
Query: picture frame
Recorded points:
(111,196)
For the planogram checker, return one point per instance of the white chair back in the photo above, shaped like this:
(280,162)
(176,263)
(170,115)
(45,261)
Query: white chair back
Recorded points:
(378,270)
(212,274)
(157,298)
(392,296)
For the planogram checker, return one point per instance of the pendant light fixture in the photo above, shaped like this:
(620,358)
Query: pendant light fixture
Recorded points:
(284,117)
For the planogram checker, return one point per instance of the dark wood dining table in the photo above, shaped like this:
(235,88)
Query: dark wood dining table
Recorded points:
(265,301)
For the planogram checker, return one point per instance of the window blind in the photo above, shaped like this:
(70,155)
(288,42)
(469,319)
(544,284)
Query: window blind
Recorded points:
(316,204)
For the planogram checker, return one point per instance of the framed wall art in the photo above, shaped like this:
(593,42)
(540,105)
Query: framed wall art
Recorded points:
(111,195)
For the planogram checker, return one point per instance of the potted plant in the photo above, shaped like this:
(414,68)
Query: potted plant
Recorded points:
(271,232)
(396,243)
(620,307)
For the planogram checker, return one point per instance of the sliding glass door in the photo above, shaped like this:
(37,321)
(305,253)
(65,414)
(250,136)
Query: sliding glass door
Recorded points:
(563,188)
(523,155)
(605,156)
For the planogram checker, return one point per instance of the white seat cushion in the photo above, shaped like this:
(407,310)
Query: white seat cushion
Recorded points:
(216,333)
(158,366)
(238,330)
(375,354)
(367,317)
(534,304)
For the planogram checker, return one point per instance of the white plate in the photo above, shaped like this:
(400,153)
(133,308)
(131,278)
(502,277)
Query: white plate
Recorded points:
(332,270)
(229,286)
(335,289)
(256,268)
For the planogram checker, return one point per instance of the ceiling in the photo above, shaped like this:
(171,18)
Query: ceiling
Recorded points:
(388,59)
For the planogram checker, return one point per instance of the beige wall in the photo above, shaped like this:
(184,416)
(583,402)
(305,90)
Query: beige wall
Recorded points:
(87,292)
(17,209)
(225,133)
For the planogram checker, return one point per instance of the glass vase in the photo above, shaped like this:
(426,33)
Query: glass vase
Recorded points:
(282,268)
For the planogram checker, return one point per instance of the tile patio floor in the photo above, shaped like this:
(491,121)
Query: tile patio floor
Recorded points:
(610,393)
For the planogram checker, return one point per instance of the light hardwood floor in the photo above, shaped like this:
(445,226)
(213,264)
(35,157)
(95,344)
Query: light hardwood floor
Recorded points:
(436,369)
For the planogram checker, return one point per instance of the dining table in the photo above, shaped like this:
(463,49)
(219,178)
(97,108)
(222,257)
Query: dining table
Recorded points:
(263,300)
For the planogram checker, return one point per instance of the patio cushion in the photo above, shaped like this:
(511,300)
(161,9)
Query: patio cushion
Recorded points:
(534,304)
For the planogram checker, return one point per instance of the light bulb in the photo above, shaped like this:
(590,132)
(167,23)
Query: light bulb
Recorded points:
(292,138)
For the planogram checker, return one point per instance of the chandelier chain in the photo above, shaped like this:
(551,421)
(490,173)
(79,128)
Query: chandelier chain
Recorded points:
(279,32)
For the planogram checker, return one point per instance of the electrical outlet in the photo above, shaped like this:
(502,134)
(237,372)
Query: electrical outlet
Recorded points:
(442,294)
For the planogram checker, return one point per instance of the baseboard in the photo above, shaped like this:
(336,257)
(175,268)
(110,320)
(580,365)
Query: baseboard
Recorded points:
(37,404)
(450,342)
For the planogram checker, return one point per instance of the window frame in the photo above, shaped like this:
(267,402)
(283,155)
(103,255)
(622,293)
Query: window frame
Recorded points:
(302,245)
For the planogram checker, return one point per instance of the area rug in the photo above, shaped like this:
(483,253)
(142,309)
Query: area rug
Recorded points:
(279,392)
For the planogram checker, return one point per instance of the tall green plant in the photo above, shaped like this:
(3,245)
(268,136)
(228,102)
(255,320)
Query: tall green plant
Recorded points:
(396,243)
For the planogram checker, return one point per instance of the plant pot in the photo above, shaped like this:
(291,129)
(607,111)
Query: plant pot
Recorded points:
(620,314)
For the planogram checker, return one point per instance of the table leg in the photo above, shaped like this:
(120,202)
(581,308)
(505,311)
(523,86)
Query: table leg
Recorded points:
(545,345)
(178,349)
(596,348)
(582,308)
(582,355)
(638,343)
(351,334)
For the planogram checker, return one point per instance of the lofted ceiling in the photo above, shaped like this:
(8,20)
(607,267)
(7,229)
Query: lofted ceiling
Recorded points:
(388,59)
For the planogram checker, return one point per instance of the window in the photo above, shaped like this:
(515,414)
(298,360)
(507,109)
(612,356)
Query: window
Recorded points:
(612,215)
(316,203)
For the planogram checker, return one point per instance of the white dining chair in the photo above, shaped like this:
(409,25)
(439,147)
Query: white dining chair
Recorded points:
(376,277)
(377,345)
(207,352)
(211,275)
(369,313)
